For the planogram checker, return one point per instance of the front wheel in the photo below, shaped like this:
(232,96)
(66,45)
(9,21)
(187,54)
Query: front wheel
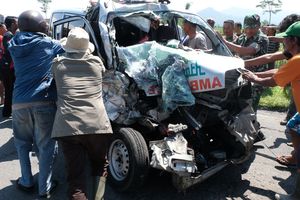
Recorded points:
(128,157)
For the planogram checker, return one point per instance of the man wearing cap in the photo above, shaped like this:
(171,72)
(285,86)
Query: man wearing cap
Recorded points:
(280,55)
(287,74)
(194,39)
(81,122)
(34,96)
(252,43)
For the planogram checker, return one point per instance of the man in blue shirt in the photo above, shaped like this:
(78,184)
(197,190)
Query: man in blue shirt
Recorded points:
(34,96)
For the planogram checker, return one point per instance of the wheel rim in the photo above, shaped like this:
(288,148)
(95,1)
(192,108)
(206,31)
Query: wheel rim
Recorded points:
(119,160)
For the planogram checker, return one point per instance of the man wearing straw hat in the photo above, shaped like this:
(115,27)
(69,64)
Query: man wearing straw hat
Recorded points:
(81,122)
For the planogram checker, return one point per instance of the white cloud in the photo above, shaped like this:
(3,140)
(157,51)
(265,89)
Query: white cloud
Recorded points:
(287,5)
(8,7)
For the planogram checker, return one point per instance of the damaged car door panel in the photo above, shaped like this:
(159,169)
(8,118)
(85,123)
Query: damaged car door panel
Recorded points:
(172,108)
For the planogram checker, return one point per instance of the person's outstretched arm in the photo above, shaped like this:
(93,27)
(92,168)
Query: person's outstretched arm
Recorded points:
(264,59)
(268,81)
(242,51)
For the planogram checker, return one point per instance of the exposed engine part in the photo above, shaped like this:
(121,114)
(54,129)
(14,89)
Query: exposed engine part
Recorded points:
(172,154)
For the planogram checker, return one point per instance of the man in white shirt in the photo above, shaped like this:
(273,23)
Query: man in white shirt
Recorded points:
(194,39)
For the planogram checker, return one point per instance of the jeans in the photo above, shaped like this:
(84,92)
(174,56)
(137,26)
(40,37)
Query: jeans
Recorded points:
(32,127)
(294,123)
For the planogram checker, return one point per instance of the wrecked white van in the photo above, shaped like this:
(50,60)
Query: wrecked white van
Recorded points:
(172,108)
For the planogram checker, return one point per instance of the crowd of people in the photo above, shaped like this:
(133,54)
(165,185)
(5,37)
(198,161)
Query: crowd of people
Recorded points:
(53,91)
(78,120)
(259,47)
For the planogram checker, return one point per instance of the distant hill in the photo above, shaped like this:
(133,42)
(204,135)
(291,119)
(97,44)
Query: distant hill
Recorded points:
(238,14)
(218,16)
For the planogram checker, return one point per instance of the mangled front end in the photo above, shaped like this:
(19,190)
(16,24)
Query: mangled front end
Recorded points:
(196,107)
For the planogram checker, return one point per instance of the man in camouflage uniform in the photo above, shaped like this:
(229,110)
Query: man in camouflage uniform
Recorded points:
(252,43)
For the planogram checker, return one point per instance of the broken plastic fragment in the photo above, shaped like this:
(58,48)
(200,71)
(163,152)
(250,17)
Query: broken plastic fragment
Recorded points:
(173,155)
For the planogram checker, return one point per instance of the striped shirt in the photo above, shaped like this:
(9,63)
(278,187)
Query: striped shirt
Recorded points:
(273,47)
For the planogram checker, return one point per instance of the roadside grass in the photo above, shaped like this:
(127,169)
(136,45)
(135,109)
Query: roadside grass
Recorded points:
(275,98)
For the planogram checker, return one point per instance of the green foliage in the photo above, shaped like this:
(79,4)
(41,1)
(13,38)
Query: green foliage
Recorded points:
(274,99)
(45,5)
(264,23)
(187,6)
(270,6)
(219,29)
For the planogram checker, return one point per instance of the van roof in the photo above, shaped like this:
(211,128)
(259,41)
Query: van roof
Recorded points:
(71,11)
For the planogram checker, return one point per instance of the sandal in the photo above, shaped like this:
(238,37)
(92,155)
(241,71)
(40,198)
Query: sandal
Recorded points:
(288,161)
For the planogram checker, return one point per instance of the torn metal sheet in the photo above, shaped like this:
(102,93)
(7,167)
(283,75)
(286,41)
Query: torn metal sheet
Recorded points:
(119,98)
(244,127)
(158,115)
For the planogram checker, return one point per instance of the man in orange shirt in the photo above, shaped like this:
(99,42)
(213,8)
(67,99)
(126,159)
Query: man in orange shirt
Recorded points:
(288,73)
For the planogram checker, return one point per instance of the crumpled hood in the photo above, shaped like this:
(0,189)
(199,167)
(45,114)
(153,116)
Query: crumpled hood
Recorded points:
(22,43)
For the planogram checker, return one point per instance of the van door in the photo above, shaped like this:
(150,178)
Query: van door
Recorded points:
(61,29)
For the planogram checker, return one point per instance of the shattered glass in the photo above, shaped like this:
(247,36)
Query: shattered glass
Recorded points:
(176,90)
(158,70)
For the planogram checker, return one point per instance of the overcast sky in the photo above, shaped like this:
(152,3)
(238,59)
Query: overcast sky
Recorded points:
(15,7)
(219,5)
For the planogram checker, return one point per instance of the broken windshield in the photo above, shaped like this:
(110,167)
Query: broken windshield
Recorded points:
(161,26)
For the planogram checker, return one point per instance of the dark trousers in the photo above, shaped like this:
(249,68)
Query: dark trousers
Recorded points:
(8,76)
(77,150)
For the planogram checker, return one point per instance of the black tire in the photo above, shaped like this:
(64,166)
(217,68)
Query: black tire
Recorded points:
(128,146)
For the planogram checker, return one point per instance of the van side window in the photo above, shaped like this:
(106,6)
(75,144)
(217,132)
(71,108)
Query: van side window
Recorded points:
(58,32)
(70,25)
(57,16)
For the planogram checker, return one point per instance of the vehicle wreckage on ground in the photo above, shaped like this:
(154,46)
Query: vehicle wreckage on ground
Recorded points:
(179,110)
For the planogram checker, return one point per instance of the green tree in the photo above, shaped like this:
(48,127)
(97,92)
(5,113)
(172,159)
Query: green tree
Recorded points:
(265,23)
(270,6)
(45,5)
(187,6)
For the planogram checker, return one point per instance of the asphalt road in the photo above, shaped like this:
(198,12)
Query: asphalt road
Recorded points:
(257,179)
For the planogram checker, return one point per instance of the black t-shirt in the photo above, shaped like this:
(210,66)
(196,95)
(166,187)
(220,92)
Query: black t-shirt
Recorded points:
(6,59)
(287,54)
